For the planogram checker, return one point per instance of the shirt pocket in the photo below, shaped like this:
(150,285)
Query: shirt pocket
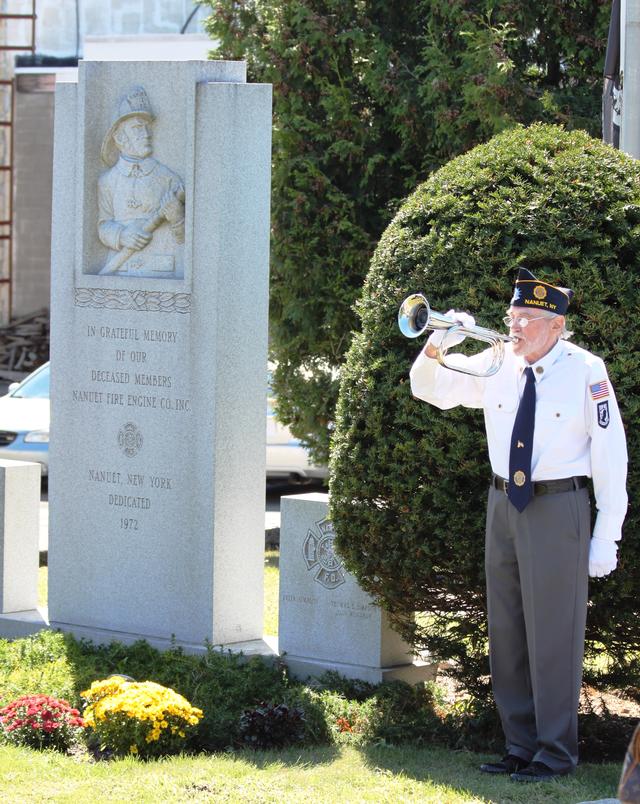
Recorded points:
(501,405)
(559,412)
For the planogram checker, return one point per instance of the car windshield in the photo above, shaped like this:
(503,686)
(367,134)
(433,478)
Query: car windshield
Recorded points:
(34,387)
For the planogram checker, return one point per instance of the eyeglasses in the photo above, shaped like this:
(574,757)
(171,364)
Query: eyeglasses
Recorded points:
(522,321)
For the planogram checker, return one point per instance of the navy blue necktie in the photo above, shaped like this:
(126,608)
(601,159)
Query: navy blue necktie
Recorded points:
(520,489)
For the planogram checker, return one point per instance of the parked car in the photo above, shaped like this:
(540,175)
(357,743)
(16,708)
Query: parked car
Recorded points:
(286,457)
(24,420)
(24,432)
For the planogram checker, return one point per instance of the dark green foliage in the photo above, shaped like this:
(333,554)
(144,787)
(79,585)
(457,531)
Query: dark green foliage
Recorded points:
(336,709)
(399,713)
(272,726)
(409,481)
(317,730)
(369,98)
(221,684)
(353,689)
(604,737)
(394,712)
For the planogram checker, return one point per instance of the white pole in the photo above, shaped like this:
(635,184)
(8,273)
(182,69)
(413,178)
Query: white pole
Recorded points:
(630,129)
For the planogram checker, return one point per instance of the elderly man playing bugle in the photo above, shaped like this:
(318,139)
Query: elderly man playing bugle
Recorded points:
(552,422)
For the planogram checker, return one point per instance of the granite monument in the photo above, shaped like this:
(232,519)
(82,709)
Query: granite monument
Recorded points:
(158,353)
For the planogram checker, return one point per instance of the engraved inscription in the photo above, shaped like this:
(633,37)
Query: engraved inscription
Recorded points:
(347,608)
(104,476)
(132,371)
(140,388)
(127,501)
(308,599)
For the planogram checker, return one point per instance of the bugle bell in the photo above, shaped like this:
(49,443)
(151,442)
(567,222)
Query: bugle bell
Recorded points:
(416,317)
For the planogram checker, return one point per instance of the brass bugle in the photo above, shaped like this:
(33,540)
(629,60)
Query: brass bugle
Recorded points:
(416,317)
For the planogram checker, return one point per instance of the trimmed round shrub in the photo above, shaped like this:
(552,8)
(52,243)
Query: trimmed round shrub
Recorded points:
(408,481)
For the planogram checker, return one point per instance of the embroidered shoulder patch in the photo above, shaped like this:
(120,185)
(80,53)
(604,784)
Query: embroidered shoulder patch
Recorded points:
(599,389)
(603,414)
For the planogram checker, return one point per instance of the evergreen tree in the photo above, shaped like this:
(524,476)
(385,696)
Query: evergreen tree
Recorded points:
(370,97)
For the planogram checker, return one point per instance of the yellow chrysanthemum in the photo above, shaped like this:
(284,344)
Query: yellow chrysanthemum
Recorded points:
(142,711)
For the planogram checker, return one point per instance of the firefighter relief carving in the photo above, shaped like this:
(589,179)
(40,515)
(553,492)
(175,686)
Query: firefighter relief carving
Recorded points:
(140,200)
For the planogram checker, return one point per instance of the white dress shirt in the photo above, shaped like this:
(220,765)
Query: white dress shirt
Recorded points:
(578,428)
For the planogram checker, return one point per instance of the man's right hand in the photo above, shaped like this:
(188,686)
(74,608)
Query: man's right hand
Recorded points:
(134,237)
(603,557)
(436,338)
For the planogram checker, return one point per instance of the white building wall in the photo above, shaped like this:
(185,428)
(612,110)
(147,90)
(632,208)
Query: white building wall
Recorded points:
(58,29)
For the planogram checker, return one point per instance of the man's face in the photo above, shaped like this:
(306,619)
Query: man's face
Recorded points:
(539,335)
(133,137)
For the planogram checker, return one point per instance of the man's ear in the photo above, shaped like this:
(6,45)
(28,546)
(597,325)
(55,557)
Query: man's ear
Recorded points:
(119,137)
(558,323)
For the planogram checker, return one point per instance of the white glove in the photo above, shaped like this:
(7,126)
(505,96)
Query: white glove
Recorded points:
(603,557)
(436,338)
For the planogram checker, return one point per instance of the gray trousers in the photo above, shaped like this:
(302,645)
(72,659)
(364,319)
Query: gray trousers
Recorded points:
(537,584)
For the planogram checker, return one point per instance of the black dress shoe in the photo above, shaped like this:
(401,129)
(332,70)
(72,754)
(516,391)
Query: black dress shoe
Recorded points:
(537,772)
(508,764)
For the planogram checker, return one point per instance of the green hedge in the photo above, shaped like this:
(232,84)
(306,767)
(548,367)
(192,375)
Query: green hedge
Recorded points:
(370,98)
(336,709)
(409,481)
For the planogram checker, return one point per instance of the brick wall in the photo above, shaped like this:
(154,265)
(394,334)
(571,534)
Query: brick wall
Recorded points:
(33,164)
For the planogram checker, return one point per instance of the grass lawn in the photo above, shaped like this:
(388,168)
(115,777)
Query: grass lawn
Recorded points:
(342,773)
(271,597)
(345,774)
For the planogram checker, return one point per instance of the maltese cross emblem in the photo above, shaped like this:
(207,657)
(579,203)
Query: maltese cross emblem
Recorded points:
(319,555)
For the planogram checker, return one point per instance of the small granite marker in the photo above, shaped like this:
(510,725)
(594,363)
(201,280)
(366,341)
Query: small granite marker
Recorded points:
(19,510)
(326,621)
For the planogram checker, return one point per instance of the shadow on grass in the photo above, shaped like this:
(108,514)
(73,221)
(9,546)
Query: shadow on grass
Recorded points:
(459,770)
(305,756)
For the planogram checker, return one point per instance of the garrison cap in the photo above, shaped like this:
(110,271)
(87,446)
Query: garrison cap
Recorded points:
(538,295)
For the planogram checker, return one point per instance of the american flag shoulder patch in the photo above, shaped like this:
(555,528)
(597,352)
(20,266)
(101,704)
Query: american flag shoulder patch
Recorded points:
(599,389)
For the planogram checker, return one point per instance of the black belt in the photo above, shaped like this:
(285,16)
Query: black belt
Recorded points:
(546,486)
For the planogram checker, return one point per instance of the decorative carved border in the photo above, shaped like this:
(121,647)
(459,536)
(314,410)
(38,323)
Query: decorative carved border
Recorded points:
(152,301)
